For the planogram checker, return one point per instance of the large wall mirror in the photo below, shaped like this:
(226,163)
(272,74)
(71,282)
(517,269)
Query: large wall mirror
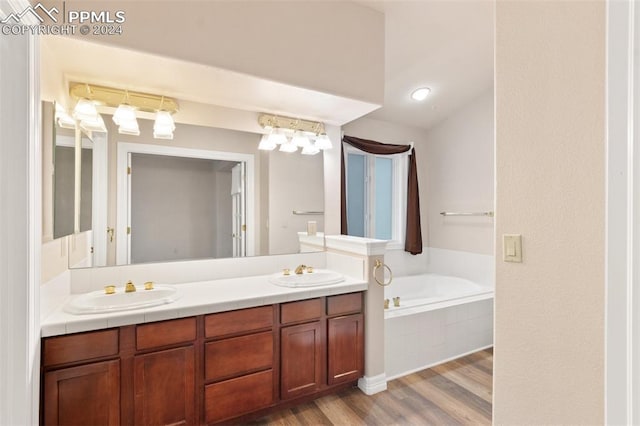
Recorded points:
(208,193)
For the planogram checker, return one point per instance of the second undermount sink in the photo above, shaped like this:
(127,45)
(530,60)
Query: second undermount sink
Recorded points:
(98,302)
(316,278)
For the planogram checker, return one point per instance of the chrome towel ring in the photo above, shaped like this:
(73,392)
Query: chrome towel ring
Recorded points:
(377,265)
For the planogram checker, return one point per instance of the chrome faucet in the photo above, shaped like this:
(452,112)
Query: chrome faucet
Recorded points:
(300,269)
(129,288)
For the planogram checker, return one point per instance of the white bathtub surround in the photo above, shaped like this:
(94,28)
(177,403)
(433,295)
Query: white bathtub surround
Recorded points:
(374,379)
(86,280)
(479,268)
(440,318)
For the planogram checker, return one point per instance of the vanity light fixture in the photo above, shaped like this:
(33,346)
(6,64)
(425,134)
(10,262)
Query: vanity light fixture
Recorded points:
(63,119)
(323,141)
(310,149)
(293,133)
(125,118)
(289,146)
(164,126)
(86,113)
(420,94)
(267,144)
(300,139)
(127,104)
(95,124)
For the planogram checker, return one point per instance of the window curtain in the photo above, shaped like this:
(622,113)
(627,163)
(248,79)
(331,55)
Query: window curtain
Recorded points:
(413,237)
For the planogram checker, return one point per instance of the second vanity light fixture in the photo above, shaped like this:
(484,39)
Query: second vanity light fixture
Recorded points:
(127,104)
(293,133)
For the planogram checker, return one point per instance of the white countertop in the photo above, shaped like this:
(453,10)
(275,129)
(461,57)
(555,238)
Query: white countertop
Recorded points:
(198,298)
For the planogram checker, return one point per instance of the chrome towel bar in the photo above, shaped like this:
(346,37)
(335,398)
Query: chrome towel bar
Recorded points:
(302,212)
(489,214)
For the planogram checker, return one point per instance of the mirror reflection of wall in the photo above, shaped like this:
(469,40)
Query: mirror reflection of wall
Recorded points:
(64,178)
(181,208)
(86,183)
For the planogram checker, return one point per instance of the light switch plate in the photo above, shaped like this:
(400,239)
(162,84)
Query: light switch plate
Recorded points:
(512,248)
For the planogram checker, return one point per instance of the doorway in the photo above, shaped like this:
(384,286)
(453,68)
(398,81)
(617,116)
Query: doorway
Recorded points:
(180,204)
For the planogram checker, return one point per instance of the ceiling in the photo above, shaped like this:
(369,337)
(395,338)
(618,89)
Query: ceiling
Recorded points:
(446,45)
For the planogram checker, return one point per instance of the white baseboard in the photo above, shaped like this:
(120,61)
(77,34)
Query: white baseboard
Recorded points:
(374,384)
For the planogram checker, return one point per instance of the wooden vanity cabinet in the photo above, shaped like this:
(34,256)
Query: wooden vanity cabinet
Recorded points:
(164,376)
(84,395)
(239,363)
(81,379)
(208,369)
(345,338)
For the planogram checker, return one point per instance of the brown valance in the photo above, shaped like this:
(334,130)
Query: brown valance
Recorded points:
(413,237)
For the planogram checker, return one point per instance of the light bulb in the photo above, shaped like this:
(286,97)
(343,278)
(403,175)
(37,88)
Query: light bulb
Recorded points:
(124,113)
(323,141)
(310,150)
(85,110)
(266,144)
(164,125)
(299,139)
(288,146)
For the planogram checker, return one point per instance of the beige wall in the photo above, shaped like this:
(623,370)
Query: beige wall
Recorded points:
(550,156)
(295,183)
(458,157)
(332,47)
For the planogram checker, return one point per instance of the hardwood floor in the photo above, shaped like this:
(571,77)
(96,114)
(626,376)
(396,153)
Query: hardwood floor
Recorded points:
(455,393)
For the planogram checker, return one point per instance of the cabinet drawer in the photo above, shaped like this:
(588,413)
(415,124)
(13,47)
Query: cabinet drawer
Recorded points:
(80,347)
(238,322)
(344,304)
(300,311)
(239,396)
(238,355)
(165,333)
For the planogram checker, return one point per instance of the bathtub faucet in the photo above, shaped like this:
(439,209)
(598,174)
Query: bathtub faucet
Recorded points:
(396,301)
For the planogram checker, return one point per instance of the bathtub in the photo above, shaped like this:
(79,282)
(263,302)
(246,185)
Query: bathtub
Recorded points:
(440,318)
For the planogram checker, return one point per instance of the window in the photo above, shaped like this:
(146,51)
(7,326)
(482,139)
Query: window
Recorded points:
(376,195)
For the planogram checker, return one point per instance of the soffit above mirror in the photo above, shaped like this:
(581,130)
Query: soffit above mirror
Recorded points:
(95,63)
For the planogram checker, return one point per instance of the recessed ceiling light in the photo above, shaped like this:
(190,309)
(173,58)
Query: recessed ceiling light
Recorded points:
(420,94)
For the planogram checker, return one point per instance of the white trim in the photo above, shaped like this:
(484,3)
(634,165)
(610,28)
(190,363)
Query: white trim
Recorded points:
(100,202)
(356,245)
(123,151)
(622,239)
(373,385)
(399,193)
(20,226)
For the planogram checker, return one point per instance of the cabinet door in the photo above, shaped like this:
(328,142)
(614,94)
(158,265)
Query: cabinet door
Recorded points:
(85,395)
(301,359)
(345,349)
(164,387)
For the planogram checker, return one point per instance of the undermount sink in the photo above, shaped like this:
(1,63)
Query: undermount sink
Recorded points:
(313,279)
(98,302)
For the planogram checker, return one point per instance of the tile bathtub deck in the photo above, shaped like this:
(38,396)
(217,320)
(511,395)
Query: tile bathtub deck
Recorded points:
(458,392)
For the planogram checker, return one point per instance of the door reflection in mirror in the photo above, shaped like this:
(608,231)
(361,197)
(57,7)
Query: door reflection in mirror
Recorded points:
(183,208)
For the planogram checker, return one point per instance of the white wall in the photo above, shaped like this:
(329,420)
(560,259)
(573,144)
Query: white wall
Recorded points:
(459,160)
(550,161)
